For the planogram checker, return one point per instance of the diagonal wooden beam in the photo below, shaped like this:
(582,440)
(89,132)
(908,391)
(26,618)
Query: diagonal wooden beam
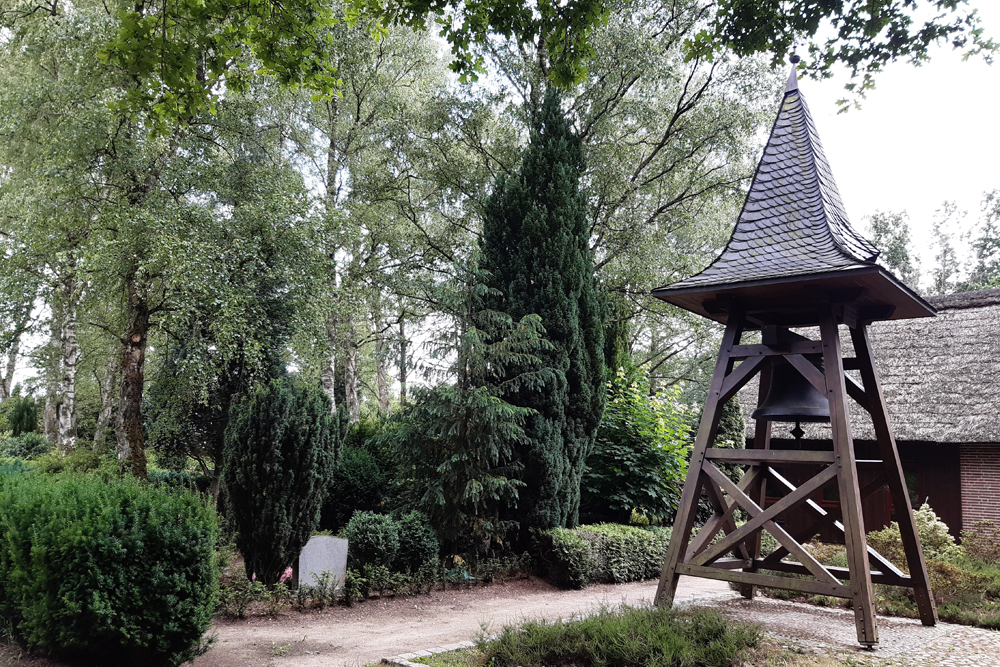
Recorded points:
(741,375)
(717,521)
(809,371)
(825,518)
(763,519)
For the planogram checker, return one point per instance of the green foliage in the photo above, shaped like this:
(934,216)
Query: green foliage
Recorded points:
(373,539)
(25,446)
(22,415)
(657,637)
(536,250)
(357,483)
(982,543)
(984,273)
(563,557)
(620,554)
(418,542)
(937,542)
(107,570)
(862,34)
(457,442)
(640,457)
(279,452)
(890,233)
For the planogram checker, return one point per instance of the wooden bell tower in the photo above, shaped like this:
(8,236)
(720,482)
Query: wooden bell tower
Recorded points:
(793,262)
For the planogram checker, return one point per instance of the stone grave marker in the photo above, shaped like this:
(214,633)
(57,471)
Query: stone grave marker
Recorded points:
(323,553)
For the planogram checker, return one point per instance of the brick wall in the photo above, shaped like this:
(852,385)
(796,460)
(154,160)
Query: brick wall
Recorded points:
(980,465)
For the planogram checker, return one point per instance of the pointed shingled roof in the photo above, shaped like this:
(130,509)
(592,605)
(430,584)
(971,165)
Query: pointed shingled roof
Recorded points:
(793,225)
(793,221)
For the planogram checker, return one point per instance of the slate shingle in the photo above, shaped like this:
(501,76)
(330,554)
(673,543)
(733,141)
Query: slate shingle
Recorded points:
(793,221)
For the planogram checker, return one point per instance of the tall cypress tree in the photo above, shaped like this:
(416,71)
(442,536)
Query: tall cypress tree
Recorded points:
(536,249)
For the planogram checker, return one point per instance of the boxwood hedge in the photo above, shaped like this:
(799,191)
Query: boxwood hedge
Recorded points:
(115,571)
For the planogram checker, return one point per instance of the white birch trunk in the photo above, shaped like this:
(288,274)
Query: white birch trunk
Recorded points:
(351,398)
(329,375)
(69,359)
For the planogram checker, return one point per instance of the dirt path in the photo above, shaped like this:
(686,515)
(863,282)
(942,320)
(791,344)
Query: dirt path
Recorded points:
(372,630)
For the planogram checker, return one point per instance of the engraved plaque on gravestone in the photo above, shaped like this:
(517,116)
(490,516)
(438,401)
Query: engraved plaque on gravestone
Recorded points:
(323,553)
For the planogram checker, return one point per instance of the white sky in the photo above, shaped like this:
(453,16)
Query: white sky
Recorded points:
(924,135)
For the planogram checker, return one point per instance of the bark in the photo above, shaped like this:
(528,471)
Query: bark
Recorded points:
(351,398)
(7,381)
(329,376)
(50,423)
(402,360)
(69,359)
(107,388)
(132,439)
(382,377)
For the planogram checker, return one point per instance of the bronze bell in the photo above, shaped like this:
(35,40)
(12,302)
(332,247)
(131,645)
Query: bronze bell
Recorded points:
(792,398)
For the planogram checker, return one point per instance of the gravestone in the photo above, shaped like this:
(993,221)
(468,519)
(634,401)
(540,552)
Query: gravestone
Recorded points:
(323,553)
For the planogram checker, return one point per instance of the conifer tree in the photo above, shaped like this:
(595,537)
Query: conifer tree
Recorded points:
(536,250)
(278,455)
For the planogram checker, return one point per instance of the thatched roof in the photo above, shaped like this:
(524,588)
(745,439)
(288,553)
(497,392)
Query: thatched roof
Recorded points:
(940,376)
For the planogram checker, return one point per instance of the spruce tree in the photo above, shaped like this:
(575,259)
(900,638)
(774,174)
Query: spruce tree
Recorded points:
(536,249)
(278,455)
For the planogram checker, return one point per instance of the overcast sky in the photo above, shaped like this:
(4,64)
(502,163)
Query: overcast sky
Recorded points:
(924,135)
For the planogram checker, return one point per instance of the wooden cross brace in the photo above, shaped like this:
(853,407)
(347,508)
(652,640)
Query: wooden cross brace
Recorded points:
(703,556)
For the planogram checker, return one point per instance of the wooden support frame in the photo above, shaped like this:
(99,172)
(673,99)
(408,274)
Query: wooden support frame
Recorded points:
(702,557)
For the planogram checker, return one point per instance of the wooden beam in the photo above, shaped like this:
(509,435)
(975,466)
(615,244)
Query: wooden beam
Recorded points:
(847,476)
(809,371)
(684,520)
(762,519)
(717,521)
(769,456)
(740,376)
(843,573)
(767,580)
(796,347)
(894,474)
(761,442)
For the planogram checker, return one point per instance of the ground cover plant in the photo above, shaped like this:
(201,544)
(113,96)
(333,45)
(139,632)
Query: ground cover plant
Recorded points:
(655,637)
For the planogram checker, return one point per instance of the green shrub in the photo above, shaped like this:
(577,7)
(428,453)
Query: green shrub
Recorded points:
(357,483)
(22,415)
(639,457)
(278,455)
(105,569)
(26,446)
(982,543)
(417,542)
(624,553)
(937,542)
(657,637)
(563,557)
(373,539)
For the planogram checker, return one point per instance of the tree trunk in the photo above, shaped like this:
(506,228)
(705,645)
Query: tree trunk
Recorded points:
(351,398)
(69,358)
(107,388)
(402,360)
(382,377)
(329,376)
(133,449)
(7,381)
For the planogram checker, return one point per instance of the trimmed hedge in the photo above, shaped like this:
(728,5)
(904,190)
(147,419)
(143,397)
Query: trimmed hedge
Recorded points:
(109,570)
(604,552)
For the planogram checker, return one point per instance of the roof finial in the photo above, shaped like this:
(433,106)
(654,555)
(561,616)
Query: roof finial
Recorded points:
(793,81)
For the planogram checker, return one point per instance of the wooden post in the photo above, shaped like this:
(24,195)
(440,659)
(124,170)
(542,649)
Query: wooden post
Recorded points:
(688,503)
(894,474)
(847,475)
(761,440)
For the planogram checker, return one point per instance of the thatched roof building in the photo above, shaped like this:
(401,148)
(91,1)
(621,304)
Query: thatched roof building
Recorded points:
(941,379)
